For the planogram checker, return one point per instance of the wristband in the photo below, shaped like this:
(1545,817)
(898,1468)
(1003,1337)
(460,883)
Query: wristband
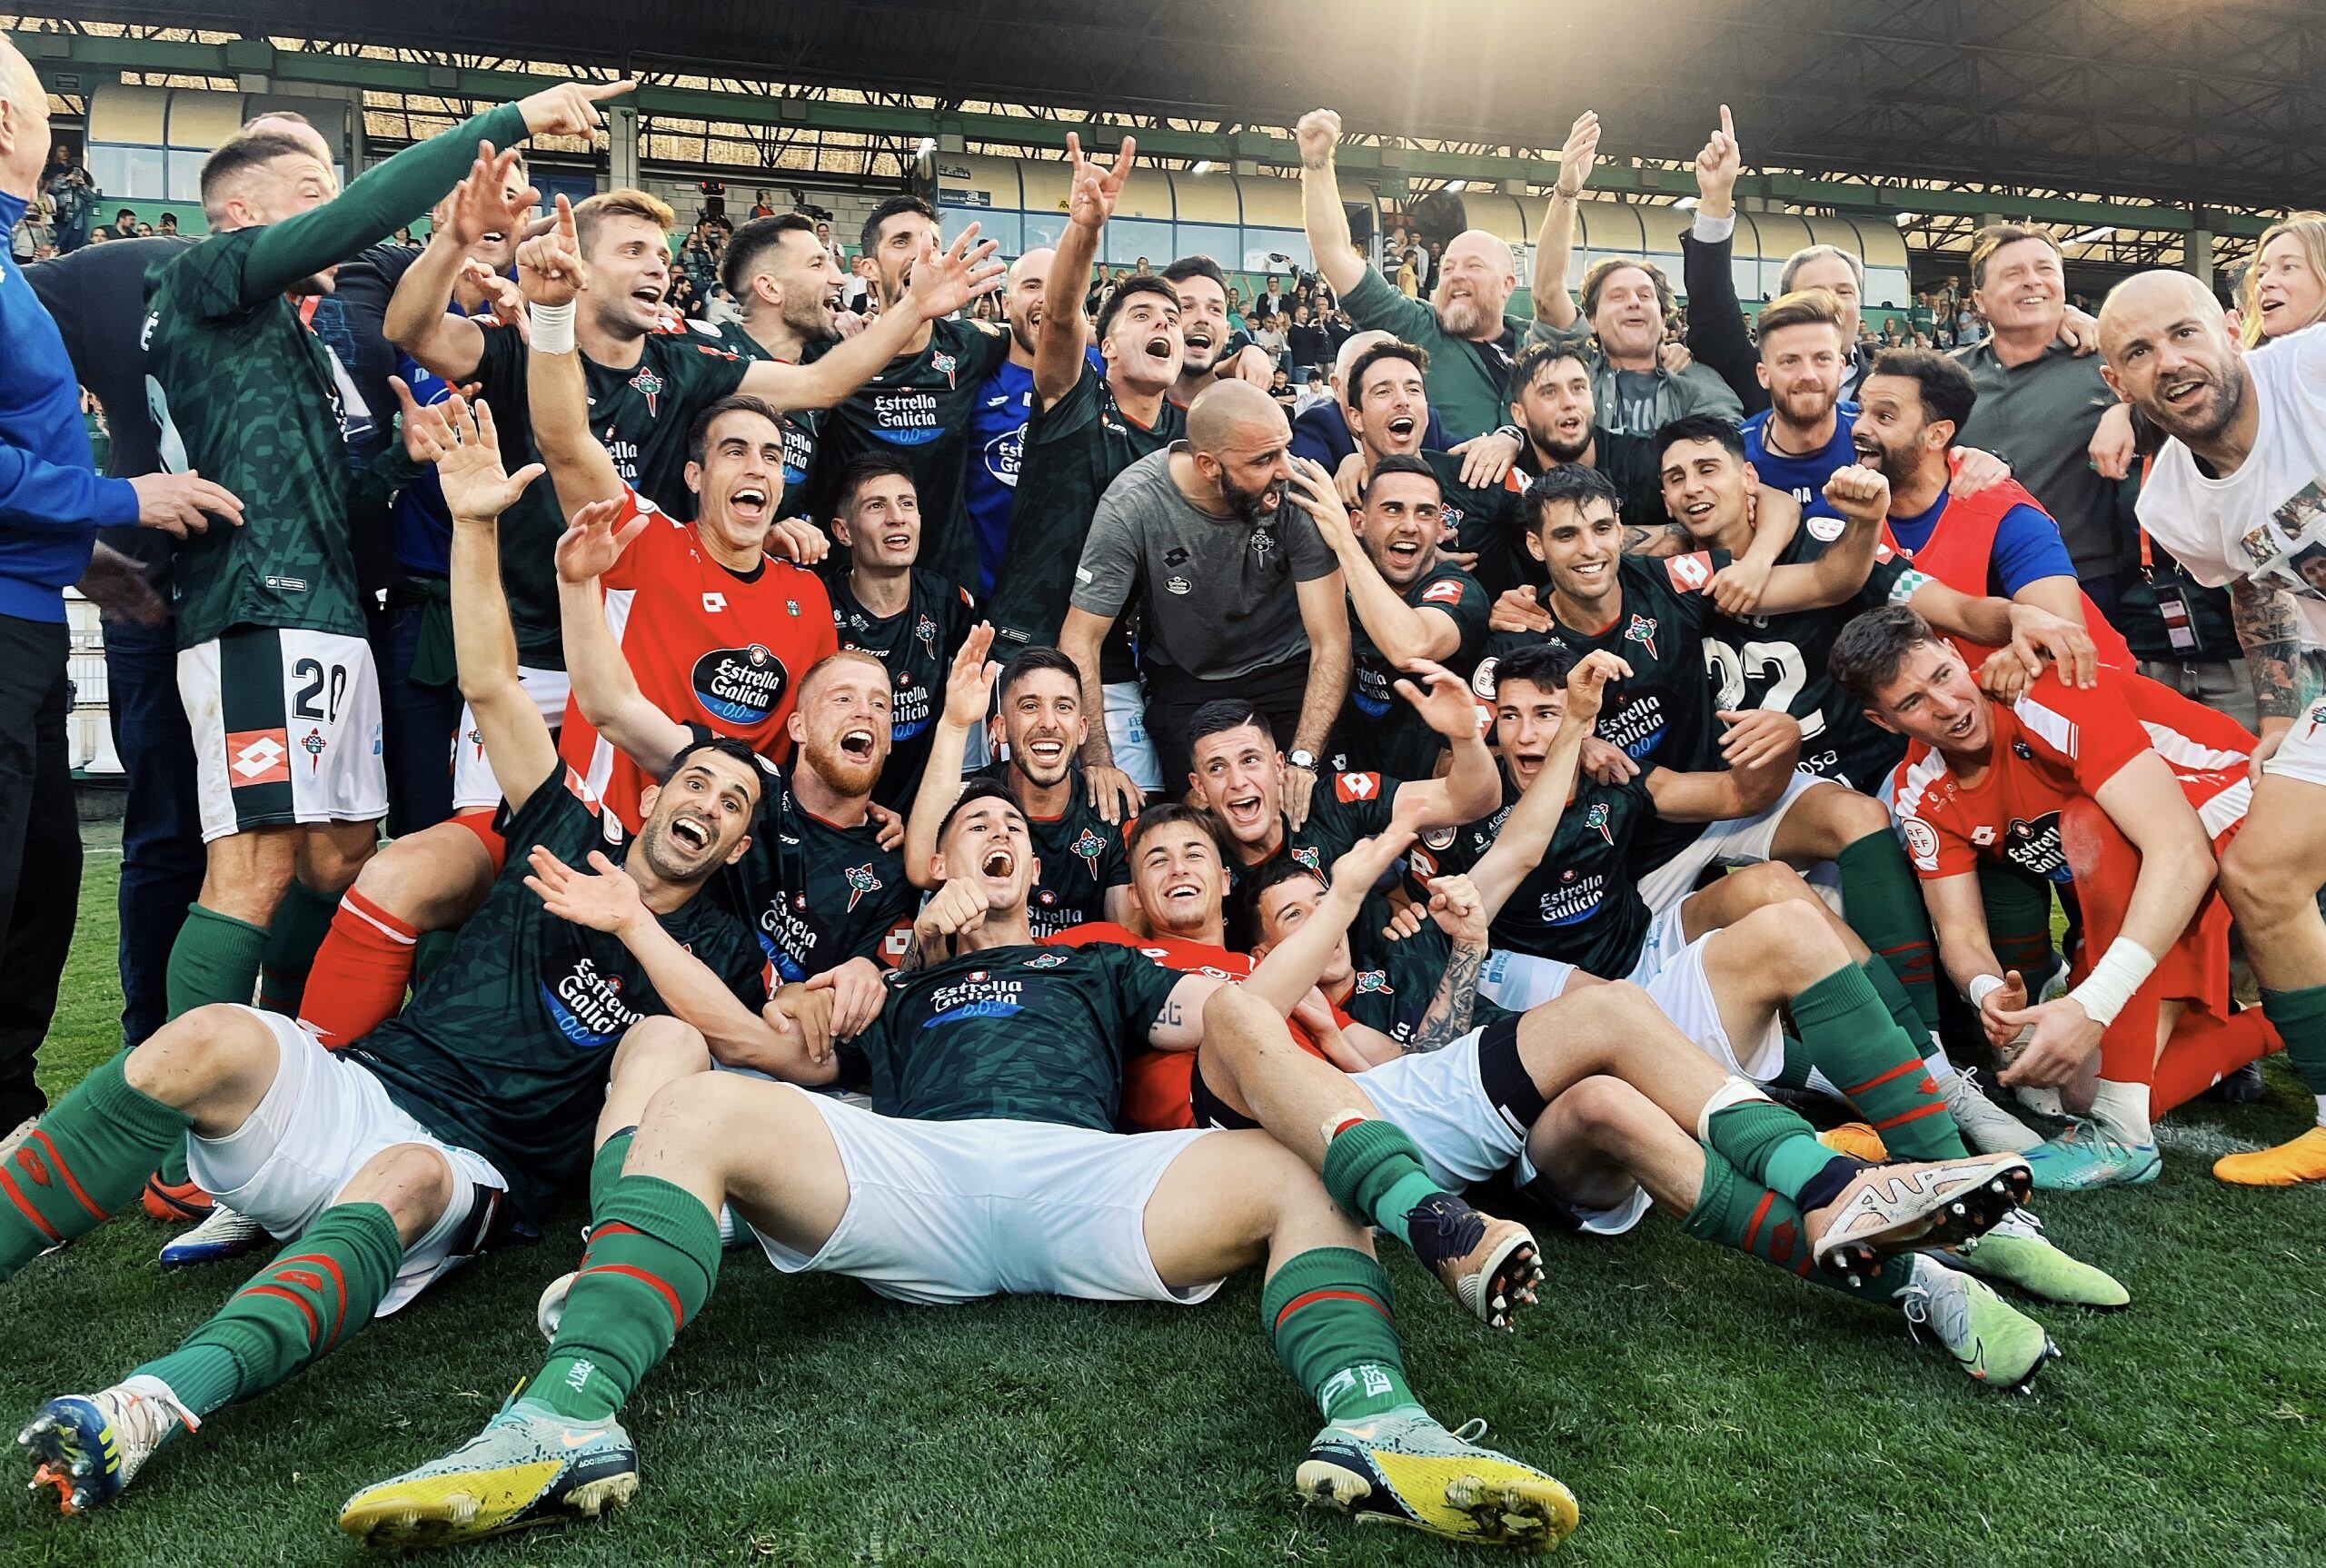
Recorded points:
(552,329)
(2113,979)
(1980,987)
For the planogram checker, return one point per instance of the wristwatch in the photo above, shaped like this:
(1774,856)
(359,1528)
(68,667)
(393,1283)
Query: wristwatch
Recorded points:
(1302,758)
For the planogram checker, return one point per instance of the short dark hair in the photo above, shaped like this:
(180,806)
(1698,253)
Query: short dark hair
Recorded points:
(750,248)
(1569,484)
(734,751)
(1129,289)
(1222,715)
(238,156)
(1186,267)
(1867,653)
(864,470)
(1392,350)
(1534,356)
(1710,427)
(895,207)
(978,790)
(1032,660)
(1595,276)
(1402,462)
(1546,664)
(699,433)
(1177,813)
(1944,386)
(1244,932)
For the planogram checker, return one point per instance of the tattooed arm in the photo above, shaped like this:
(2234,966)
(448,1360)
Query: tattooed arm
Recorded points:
(2269,629)
(1448,1018)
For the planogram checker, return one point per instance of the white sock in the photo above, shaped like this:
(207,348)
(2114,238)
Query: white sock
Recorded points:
(1941,1071)
(2122,1111)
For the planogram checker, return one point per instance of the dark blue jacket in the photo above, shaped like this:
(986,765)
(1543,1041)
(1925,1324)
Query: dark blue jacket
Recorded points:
(52,499)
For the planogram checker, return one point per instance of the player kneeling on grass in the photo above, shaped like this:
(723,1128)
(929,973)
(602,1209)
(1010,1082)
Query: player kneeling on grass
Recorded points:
(2126,792)
(387,1163)
(986,1167)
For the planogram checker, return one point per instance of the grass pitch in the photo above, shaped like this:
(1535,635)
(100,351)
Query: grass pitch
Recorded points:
(1704,1409)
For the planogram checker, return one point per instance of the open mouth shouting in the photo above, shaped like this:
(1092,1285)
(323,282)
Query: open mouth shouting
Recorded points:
(1404,427)
(1197,339)
(1246,815)
(1159,348)
(998,864)
(692,833)
(858,744)
(748,502)
(1046,755)
(2181,392)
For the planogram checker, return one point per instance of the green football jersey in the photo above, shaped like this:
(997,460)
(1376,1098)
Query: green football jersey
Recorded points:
(1378,728)
(640,416)
(916,646)
(1780,662)
(918,409)
(1396,982)
(244,394)
(1073,450)
(1082,855)
(504,1047)
(801,426)
(817,894)
(1581,904)
(1033,1034)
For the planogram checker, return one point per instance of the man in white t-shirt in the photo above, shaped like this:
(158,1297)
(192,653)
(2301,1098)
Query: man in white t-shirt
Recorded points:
(2239,496)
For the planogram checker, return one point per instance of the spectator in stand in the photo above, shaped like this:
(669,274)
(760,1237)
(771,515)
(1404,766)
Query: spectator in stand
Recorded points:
(123,226)
(1305,341)
(1287,396)
(840,256)
(1270,337)
(1270,302)
(761,207)
(1314,390)
(1409,277)
(33,234)
(73,198)
(2284,289)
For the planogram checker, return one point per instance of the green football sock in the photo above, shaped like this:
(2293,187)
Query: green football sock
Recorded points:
(317,1295)
(2299,1019)
(605,1168)
(653,1258)
(1898,1003)
(2018,908)
(300,924)
(1883,899)
(1775,1147)
(1375,1174)
(1733,1212)
(216,958)
(172,1170)
(1877,1066)
(88,1156)
(1327,1310)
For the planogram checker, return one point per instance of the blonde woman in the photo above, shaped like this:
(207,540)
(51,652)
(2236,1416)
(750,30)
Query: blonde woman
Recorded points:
(2284,289)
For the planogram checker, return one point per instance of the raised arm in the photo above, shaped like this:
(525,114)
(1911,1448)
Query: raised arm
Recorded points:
(1555,241)
(1862,495)
(419,319)
(517,745)
(1402,632)
(1283,978)
(941,284)
(604,690)
(551,273)
(968,687)
(1090,202)
(1321,213)
(1469,787)
(1526,834)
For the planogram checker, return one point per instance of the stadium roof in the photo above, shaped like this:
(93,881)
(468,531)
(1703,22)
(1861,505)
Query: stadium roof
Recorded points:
(2188,101)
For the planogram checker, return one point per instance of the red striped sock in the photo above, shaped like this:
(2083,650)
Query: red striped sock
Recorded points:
(360,973)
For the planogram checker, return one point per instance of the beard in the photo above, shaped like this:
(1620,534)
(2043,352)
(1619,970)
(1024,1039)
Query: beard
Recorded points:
(1463,316)
(2200,426)
(1021,334)
(1805,406)
(841,774)
(1255,507)
(1194,361)
(810,320)
(1548,439)
(666,860)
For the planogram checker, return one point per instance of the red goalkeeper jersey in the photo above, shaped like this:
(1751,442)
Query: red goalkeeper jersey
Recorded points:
(706,646)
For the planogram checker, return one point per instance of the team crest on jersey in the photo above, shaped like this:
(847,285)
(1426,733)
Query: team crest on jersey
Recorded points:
(312,744)
(942,361)
(1440,839)
(1262,543)
(924,632)
(1089,846)
(1375,983)
(2023,752)
(1597,821)
(1642,631)
(648,385)
(1046,960)
(740,685)
(791,607)
(1307,855)
(1922,842)
(860,881)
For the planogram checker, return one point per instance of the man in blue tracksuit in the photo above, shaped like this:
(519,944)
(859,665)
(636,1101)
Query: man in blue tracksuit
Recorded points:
(51,503)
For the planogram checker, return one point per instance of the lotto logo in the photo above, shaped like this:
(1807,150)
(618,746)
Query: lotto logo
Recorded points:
(1356,786)
(712,603)
(1689,572)
(258,757)
(1444,590)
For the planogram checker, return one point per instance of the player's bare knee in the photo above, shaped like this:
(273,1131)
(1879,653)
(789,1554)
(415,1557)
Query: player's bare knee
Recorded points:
(413,1182)
(1855,817)
(1592,1019)
(2261,887)
(661,1048)
(1770,883)
(426,877)
(1607,1111)
(330,860)
(198,1051)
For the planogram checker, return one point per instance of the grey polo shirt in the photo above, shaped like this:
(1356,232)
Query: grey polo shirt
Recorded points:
(1218,597)
(2039,417)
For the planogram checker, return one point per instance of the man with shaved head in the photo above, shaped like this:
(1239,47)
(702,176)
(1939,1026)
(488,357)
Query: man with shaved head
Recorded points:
(1470,340)
(2238,495)
(1241,597)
